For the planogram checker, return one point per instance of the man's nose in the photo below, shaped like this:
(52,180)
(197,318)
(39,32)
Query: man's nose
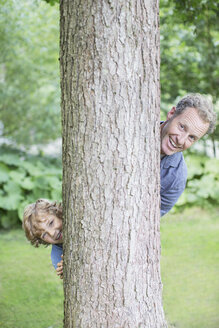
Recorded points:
(182,139)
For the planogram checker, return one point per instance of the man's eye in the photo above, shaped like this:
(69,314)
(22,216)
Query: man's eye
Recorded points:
(192,138)
(51,223)
(181,126)
(44,235)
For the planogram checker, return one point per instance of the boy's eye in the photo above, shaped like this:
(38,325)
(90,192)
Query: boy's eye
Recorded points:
(51,223)
(44,235)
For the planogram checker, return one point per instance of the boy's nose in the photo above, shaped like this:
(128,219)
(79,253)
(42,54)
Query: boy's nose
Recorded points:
(51,232)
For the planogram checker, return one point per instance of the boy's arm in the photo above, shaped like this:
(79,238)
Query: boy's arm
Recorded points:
(56,255)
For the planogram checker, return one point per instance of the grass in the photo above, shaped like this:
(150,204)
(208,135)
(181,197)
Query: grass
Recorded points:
(31,294)
(190,269)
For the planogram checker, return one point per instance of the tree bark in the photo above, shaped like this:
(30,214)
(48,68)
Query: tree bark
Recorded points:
(111,162)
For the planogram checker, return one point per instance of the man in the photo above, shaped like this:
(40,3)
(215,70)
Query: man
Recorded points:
(186,123)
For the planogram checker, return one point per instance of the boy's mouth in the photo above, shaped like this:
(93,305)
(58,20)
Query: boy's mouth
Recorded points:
(59,236)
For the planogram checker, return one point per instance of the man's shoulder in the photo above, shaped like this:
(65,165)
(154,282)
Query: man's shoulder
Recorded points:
(176,160)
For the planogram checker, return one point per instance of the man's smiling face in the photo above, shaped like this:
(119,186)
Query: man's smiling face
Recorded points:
(180,132)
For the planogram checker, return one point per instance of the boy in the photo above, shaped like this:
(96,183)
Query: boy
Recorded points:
(42,223)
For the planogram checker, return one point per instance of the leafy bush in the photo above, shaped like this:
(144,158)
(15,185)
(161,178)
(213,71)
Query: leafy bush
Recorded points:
(24,179)
(203,183)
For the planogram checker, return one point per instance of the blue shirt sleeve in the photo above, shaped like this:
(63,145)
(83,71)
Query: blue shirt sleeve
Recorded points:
(169,199)
(56,253)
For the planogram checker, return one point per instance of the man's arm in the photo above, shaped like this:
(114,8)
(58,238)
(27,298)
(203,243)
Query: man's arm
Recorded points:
(169,199)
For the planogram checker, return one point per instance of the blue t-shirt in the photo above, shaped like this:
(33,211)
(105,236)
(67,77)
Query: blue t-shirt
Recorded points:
(56,254)
(173,175)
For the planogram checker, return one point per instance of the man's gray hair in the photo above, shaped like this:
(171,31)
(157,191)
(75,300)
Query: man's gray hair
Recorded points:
(203,105)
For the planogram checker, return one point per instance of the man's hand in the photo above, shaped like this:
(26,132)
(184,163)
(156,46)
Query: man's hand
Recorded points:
(59,269)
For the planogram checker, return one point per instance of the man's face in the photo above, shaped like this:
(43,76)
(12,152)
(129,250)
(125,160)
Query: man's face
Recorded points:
(51,227)
(182,131)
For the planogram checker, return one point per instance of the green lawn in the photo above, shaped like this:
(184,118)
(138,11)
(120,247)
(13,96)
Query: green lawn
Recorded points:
(31,294)
(190,269)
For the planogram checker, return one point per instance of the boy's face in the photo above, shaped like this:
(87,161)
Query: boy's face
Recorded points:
(52,229)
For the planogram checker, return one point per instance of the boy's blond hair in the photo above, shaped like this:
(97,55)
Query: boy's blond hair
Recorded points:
(32,218)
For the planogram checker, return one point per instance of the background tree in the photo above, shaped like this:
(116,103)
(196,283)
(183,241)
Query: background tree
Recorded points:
(110,114)
(29,72)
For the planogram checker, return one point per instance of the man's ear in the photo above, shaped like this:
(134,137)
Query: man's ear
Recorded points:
(171,113)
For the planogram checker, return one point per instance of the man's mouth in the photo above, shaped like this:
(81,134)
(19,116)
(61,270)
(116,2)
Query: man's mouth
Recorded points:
(173,144)
(59,236)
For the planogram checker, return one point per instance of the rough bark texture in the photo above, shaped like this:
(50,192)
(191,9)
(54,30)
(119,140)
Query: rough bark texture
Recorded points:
(110,117)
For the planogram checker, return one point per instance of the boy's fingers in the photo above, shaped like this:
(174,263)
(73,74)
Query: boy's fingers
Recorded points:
(59,273)
(60,263)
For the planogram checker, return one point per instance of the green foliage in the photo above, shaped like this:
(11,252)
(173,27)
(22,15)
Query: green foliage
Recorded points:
(189,48)
(203,183)
(52,2)
(24,179)
(29,72)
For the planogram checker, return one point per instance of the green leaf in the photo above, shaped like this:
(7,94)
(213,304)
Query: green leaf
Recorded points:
(41,193)
(11,159)
(32,169)
(22,206)
(41,182)
(4,173)
(27,183)
(212,166)
(56,194)
(195,166)
(17,176)
(54,182)
(13,196)
(8,220)
(10,202)
(191,198)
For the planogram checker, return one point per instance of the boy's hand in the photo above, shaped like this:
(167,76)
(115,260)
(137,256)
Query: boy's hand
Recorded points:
(59,269)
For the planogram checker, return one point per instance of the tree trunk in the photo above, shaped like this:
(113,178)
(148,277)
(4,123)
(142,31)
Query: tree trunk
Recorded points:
(111,153)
